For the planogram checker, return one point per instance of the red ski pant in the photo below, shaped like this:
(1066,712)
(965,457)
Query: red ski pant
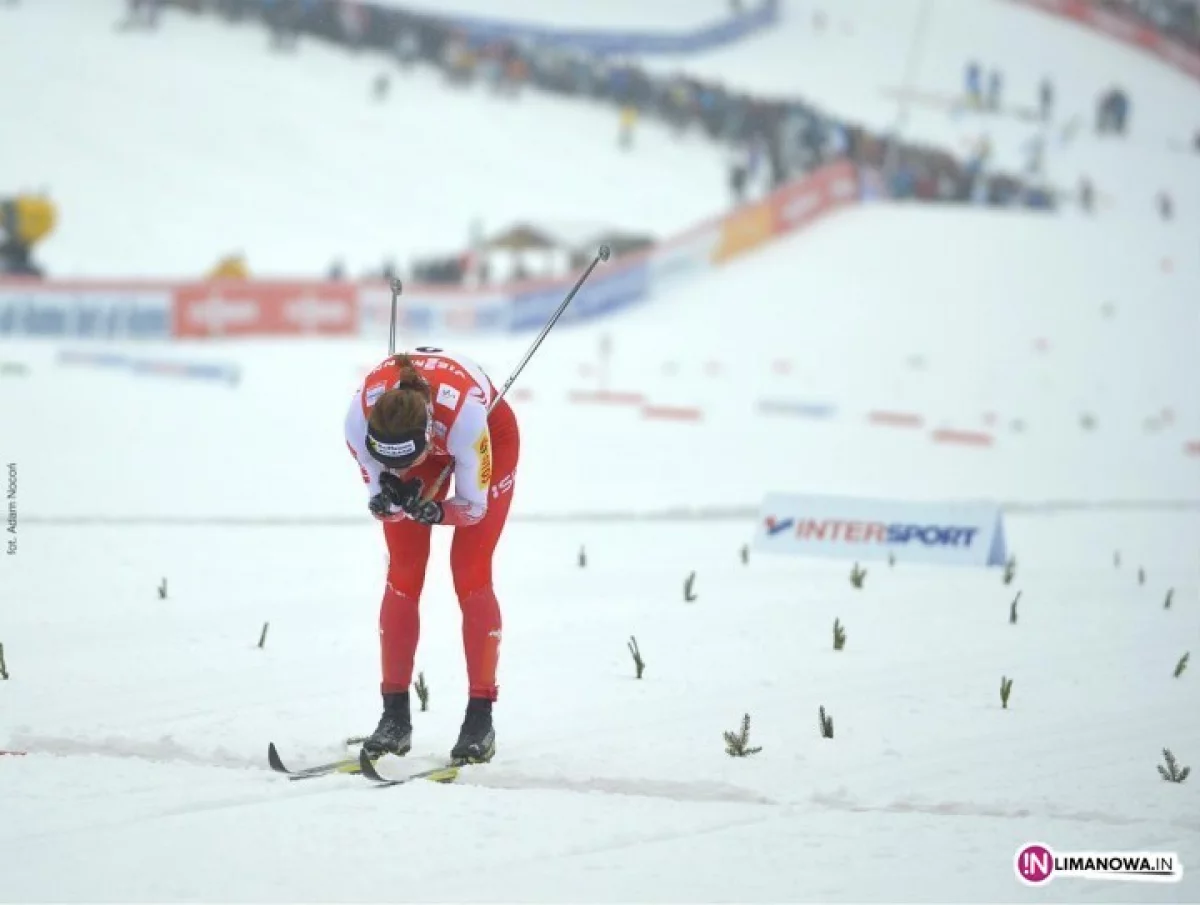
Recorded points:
(471,552)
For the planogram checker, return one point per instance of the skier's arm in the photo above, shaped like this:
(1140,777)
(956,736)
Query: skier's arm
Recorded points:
(356,442)
(470,443)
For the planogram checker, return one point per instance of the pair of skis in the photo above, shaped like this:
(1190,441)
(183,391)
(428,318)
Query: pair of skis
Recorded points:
(362,764)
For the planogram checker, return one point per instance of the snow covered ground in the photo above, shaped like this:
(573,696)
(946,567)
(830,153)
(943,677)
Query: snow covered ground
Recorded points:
(147,720)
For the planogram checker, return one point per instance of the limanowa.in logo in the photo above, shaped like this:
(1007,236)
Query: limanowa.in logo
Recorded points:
(1037,865)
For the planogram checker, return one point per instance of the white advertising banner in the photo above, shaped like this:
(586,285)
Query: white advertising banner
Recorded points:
(951,534)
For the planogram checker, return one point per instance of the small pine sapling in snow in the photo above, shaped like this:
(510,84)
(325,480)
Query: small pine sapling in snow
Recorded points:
(745,554)
(1010,569)
(582,557)
(736,743)
(1173,772)
(825,722)
(638,663)
(688,584)
(1012,610)
(1182,664)
(3,665)
(839,635)
(1005,691)
(1141,575)
(1117,559)
(891,560)
(1167,602)
(857,574)
(262,638)
(422,690)
(162,590)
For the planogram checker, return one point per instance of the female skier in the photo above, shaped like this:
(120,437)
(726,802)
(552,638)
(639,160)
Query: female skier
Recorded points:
(416,415)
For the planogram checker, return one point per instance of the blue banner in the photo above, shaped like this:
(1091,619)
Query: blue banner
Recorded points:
(85,313)
(600,295)
(707,37)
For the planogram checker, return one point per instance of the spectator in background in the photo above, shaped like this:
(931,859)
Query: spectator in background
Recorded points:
(628,123)
(974,85)
(1087,195)
(1166,206)
(283,20)
(1046,99)
(458,60)
(354,19)
(231,267)
(141,14)
(406,48)
(741,161)
(1112,112)
(1035,150)
(995,85)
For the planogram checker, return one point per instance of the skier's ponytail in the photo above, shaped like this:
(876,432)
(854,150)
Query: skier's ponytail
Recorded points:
(410,377)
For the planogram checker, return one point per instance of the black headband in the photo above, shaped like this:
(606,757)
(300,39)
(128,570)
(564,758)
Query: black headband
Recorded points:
(396,450)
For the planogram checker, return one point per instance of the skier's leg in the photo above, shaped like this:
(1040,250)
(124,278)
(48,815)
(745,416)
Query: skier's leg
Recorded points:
(471,554)
(399,619)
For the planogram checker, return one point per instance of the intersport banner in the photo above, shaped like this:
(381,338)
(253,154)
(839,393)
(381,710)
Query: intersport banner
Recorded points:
(948,534)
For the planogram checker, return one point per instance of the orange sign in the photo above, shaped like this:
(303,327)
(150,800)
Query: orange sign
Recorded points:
(744,230)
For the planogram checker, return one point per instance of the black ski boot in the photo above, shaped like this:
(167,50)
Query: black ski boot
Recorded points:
(477,739)
(393,735)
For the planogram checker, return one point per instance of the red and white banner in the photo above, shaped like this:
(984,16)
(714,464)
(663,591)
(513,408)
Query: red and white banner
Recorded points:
(795,206)
(266,309)
(1123,29)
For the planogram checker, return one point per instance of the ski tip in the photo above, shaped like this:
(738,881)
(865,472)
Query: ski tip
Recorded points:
(366,766)
(274,759)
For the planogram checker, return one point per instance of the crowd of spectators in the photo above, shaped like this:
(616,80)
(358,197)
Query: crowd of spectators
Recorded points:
(1178,19)
(768,141)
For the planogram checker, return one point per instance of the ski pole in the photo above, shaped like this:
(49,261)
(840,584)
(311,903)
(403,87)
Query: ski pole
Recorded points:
(397,288)
(601,255)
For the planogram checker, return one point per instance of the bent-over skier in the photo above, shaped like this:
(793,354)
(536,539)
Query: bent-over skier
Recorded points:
(416,414)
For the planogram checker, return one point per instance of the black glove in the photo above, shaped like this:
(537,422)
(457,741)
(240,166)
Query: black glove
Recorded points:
(381,506)
(400,492)
(427,513)
(406,496)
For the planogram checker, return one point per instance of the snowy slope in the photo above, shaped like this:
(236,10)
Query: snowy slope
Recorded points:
(166,151)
